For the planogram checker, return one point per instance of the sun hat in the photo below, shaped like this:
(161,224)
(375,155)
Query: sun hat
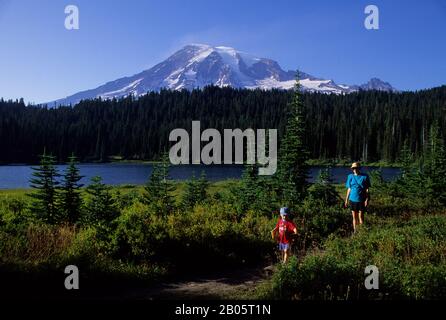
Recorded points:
(355,165)
(284,211)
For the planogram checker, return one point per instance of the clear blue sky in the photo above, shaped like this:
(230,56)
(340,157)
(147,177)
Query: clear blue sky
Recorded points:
(41,61)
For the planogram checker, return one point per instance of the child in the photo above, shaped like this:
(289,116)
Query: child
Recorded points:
(285,228)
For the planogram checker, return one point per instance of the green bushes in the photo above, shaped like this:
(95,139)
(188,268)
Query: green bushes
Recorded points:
(36,244)
(118,226)
(14,214)
(411,258)
(323,191)
(126,236)
(318,221)
(319,277)
(203,236)
(139,233)
(421,187)
(84,247)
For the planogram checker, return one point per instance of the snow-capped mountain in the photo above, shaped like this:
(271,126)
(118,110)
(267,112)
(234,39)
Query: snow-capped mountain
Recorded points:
(199,65)
(377,84)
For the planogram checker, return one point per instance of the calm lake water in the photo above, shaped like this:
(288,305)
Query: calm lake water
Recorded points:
(17,176)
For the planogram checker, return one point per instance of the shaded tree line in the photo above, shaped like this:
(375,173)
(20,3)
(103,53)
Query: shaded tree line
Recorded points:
(367,125)
(56,200)
(58,197)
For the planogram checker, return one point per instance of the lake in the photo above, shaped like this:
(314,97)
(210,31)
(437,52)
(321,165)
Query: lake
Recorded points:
(17,176)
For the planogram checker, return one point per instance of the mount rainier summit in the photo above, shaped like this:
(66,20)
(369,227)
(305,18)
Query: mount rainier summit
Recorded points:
(199,65)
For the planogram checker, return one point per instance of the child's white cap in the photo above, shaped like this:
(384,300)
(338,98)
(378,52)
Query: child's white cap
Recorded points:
(284,211)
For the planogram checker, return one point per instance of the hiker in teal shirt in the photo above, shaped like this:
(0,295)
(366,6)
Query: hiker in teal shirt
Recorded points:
(358,196)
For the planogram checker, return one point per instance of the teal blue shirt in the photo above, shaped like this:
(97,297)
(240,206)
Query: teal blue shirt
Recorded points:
(358,186)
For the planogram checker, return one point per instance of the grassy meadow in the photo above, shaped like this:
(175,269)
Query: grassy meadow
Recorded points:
(143,246)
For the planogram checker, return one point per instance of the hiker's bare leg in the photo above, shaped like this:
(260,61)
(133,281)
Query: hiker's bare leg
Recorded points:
(355,219)
(361,217)
(285,256)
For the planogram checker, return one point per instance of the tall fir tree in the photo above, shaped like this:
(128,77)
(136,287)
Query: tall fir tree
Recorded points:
(406,159)
(101,207)
(71,201)
(190,196)
(195,191)
(44,181)
(159,188)
(435,164)
(247,193)
(412,174)
(323,191)
(292,170)
(153,186)
(254,192)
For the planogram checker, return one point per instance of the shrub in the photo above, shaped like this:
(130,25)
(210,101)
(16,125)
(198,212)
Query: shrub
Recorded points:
(37,244)
(84,249)
(127,199)
(14,215)
(139,233)
(316,221)
(411,258)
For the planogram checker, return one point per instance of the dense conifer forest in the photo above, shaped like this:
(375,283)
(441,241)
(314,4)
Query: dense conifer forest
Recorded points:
(367,125)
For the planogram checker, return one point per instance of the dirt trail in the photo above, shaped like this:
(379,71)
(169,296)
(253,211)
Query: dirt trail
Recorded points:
(224,285)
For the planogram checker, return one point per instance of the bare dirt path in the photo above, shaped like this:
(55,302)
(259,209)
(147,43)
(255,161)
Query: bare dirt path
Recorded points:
(230,284)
